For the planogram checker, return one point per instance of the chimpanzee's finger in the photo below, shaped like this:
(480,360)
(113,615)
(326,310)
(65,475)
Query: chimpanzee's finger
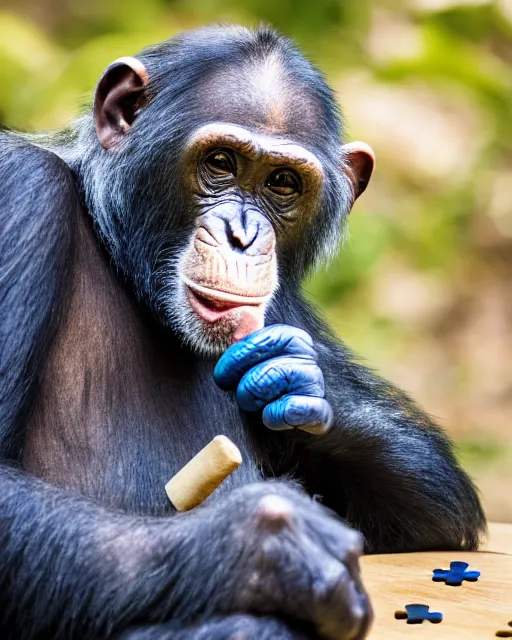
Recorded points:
(307,413)
(273,378)
(269,342)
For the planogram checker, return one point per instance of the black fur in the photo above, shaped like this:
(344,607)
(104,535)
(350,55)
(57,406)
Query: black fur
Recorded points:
(98,398)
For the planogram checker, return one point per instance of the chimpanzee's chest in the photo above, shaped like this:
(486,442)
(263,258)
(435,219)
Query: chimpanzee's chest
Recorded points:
(119,439)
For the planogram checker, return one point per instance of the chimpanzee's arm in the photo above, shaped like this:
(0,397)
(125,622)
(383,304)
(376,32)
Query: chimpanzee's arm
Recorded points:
(376,458)
(37,207)
(235,626)
(386,466)
(72,569)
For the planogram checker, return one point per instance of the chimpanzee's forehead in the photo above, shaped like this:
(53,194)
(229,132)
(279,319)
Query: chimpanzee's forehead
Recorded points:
(261,95)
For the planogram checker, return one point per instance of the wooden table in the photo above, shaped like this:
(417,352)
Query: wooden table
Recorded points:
(473,611)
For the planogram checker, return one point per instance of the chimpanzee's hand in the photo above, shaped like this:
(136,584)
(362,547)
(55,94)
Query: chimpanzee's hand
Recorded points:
(276,369)
(267,549)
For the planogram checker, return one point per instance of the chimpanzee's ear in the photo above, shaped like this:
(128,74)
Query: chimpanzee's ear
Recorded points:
(119,94)
(358,161)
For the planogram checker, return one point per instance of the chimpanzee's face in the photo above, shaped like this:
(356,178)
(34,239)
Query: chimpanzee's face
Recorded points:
(249,194)
(258,184)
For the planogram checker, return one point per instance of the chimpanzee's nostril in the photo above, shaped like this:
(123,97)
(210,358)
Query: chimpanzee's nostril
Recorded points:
(237,242)
(241,239)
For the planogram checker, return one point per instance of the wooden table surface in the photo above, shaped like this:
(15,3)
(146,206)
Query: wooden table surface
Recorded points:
(473,611)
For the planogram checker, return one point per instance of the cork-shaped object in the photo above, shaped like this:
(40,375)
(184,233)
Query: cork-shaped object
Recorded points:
(203,474)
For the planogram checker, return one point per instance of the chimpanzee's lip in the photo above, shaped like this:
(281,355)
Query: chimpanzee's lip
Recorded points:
(216,295)
(212,304)
(211,311)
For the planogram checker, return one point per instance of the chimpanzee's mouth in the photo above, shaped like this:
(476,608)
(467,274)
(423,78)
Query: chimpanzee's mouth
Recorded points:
(208,309)
(212,304)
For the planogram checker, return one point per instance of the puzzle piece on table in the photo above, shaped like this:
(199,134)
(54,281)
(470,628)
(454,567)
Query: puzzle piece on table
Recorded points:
(416,613)
(455,575)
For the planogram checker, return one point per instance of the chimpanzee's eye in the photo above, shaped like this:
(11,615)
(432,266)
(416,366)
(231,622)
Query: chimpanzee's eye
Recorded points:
(221,163)
(284,182)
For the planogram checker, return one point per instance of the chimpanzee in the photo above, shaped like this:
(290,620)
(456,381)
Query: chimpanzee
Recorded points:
(151,260)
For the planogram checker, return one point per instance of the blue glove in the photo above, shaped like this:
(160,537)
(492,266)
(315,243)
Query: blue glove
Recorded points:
(276,369)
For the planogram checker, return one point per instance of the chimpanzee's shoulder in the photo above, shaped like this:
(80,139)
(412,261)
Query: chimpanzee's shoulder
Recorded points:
(23,164)
(35,185)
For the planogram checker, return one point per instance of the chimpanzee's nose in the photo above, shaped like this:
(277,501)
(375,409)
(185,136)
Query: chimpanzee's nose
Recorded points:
(246,231)
(241,236)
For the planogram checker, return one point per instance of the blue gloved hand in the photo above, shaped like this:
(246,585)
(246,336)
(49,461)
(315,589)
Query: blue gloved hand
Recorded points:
(276,369)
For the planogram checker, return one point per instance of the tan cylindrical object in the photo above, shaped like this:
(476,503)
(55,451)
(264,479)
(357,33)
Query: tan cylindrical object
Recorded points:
(203,474)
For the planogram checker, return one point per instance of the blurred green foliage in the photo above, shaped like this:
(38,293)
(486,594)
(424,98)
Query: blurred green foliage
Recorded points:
(423,286)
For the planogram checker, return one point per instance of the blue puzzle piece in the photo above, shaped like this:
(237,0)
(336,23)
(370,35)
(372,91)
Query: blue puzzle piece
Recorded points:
(455,575)
(416,613)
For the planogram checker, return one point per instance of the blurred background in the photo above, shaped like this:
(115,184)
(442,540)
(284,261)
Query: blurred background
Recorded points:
(423,287)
